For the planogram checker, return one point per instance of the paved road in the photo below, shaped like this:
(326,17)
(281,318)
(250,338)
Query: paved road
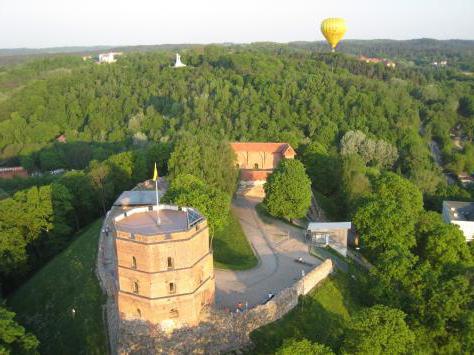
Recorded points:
(277,245)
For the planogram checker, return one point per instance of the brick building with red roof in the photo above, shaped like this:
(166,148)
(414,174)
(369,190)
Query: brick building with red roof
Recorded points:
(12,172)
(256,162)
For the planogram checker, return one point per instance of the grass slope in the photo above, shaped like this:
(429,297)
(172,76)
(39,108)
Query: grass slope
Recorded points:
(320,316)
(231,247)
(44,304)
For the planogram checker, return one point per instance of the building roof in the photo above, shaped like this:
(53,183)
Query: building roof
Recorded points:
(459,210)
(12,171)
(137,198)
(11,168)
(143,220)
(282,148)
(324,226)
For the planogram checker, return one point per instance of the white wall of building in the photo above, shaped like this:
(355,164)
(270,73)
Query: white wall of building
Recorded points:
(467,227)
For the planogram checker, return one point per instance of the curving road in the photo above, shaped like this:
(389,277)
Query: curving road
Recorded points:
(276,245)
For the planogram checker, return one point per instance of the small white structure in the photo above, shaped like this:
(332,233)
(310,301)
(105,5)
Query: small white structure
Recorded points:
(178,63)
(331,234)
(461,214)
(109,57)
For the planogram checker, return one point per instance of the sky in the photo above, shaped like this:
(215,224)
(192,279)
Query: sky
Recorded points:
(53,23)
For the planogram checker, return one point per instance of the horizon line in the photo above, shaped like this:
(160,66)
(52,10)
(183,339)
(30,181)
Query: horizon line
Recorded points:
(227,43)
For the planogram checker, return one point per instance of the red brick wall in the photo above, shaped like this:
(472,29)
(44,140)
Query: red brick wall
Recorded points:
(13,172)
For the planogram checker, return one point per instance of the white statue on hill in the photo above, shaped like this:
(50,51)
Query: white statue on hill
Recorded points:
(178,63)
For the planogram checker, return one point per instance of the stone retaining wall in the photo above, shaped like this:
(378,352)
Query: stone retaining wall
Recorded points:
(219,331)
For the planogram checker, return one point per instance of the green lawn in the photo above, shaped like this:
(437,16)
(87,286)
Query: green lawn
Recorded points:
(44,304)
(320,316)
(269,219)
(231,248)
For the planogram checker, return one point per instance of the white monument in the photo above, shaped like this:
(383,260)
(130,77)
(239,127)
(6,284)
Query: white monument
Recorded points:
(178,63)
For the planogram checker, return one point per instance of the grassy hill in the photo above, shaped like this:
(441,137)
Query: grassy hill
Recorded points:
(44,304)
(320,316)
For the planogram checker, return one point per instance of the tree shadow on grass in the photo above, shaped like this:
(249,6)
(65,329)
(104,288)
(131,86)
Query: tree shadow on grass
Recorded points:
(308,320)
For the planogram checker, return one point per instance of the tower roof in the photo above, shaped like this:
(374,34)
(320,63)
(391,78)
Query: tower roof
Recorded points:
(144,220)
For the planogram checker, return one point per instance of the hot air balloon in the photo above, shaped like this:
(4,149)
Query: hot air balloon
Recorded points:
(333,29)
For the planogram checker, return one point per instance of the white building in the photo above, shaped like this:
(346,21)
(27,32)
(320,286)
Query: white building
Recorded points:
(109,57)
(461,214)
(329,234)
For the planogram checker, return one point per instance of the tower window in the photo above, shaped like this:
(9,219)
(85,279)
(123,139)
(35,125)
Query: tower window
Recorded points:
(139,313)
(255,166)
(172,287)
(170,263)
(174,313)
(134,262)
(135,287)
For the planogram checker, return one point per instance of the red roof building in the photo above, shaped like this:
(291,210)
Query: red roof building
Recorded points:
(13,171)
(257,160)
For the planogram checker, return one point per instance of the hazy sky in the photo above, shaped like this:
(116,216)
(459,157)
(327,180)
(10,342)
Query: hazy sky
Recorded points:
(48,23)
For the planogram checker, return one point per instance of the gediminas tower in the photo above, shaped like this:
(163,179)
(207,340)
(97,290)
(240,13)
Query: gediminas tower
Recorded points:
(164,265)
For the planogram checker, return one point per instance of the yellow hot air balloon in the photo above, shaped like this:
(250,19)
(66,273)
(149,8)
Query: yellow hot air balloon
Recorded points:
(333,29)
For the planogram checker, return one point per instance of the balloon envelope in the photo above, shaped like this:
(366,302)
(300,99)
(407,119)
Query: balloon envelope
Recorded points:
(333,30)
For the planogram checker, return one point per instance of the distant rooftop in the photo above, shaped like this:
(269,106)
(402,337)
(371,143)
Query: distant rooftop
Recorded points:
(282,148)
(143,221)
(459,210)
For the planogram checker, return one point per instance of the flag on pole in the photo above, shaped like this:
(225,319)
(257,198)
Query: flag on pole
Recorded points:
(155,173)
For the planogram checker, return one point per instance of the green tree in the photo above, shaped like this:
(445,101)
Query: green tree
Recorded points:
(378,330)
(13,254)
(466,106)
(303,347)
(355,184)
(13,337)
(158,153)
(188,190)
(322,167)
(84,200)
(441,244)
(386,221)
(62,209)
(288,190)
(208,158)
(100,178)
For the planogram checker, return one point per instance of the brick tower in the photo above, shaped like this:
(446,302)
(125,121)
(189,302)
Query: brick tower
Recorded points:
(165,270)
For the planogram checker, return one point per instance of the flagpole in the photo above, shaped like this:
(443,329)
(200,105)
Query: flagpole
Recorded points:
(157,203)
(155,177)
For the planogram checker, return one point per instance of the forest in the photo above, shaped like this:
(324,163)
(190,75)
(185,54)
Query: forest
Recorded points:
(362,131)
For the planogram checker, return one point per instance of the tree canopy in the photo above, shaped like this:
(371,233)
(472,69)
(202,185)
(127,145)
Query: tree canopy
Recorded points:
(303,347)
(188,190)
(288,190)
(378,330)
(13,337)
